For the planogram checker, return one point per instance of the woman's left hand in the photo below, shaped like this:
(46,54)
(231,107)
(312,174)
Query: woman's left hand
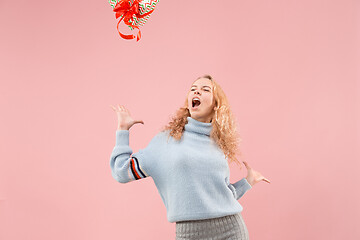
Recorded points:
(253,176)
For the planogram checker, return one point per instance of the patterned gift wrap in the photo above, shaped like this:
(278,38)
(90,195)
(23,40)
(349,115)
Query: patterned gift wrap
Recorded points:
(145,6)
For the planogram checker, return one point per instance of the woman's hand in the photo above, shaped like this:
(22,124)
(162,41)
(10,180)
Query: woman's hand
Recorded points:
(125,121)
(253,176)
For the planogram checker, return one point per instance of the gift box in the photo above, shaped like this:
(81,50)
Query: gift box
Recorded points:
(135,13)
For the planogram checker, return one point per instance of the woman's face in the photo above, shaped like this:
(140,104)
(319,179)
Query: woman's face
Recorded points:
(203,90)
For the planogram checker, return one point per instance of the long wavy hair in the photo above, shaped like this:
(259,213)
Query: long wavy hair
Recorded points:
(224,129)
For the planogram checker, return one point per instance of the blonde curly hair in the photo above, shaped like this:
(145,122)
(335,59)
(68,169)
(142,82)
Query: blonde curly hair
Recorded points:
(224,129)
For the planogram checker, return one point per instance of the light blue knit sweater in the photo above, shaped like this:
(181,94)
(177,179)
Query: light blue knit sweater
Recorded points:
(191,175)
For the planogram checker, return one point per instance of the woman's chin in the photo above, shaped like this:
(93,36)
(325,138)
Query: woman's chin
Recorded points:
(195,115)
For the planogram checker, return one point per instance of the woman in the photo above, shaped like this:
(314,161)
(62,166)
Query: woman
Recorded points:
(188,163)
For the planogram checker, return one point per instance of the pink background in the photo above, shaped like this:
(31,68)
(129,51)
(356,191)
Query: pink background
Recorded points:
(289,68)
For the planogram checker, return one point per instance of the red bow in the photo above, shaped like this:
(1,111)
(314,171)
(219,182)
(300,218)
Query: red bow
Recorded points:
(125,9)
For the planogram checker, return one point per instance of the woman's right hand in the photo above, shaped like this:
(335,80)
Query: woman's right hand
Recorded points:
(253,176)
(125,121)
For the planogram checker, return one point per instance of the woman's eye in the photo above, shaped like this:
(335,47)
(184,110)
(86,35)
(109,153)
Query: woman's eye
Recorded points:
(204,89)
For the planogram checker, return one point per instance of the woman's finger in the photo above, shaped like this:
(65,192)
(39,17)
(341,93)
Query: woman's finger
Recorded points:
(139,121)
(246,165)
(266,180)
(114,108)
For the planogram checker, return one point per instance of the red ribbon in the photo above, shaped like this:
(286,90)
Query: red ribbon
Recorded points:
(127,10)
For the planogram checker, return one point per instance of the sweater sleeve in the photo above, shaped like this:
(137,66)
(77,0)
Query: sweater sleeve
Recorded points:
(127,166)
(240,188)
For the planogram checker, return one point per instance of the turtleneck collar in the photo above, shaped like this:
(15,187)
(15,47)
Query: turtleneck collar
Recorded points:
(198,127)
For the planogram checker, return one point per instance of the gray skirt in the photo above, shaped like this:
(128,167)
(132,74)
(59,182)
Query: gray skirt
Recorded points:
(223,228)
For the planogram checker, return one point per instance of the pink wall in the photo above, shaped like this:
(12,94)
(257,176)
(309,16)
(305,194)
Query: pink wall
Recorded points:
(289,68)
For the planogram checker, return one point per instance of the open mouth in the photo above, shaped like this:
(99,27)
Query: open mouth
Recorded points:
(195,103)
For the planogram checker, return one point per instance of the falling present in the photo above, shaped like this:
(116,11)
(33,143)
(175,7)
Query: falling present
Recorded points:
(135,13)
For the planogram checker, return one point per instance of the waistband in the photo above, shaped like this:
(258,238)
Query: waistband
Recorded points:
(211,226)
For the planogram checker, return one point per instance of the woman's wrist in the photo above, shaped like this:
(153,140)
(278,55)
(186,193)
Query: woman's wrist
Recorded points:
(122,128)
(249,181)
